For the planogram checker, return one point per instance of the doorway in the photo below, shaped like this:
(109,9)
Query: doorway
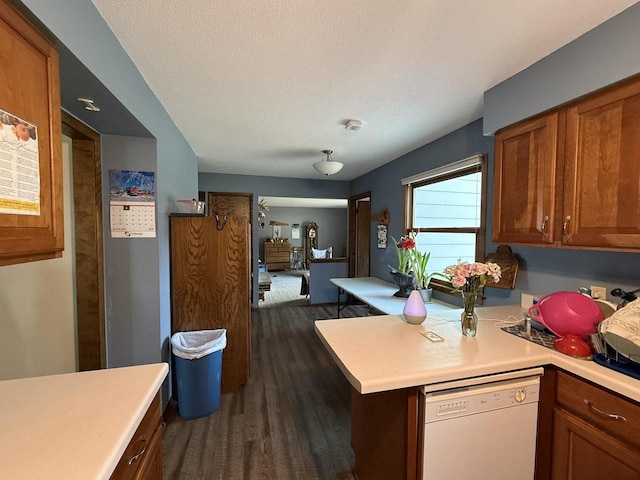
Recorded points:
(89,267)
(360,235)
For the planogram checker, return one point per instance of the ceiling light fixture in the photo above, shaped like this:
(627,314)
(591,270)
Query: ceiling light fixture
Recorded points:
(327,166)
(89,104)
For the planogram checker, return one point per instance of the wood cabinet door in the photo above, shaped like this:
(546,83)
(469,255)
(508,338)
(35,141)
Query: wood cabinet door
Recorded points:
(601,203)
(524,182)
(32,210)
(584,452)
(210,275)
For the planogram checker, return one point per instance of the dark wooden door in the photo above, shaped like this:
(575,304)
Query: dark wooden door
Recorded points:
(601,205)
(89,262)
(210,281)
(524,182)
(231,204)
(359,235)
(363,237)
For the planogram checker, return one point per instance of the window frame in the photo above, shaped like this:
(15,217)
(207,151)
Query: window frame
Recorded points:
(443,174)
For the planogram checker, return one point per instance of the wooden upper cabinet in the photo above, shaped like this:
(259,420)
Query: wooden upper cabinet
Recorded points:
(602,170)
(524,187)
(570,178)
(30,229)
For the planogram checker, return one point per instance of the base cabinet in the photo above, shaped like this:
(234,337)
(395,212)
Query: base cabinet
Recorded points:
(142,459)
(583,452)
(596,433)
(384,434)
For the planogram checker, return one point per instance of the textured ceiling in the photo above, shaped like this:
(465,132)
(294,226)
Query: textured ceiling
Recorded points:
(262,87)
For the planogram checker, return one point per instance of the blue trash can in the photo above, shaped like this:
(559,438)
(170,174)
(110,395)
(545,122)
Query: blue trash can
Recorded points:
(198,364)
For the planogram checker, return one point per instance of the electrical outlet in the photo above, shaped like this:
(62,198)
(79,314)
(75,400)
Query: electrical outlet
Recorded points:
(598,292)
(526,300)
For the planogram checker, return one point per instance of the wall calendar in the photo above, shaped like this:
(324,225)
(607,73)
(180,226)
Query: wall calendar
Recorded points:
(132,206)
(133,220)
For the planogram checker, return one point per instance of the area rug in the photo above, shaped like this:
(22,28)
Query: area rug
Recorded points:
(285,290)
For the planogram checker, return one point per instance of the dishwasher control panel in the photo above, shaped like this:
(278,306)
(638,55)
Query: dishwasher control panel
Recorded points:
(475,399)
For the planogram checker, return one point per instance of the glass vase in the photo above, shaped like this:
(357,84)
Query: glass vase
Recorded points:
(468,318)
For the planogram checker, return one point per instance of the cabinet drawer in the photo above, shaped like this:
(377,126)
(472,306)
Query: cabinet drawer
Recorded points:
(140,445)
(277,247)
(598,406)
(278,257)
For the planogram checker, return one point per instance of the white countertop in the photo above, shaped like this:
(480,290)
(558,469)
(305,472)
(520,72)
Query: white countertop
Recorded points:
(73,426)
(379,294)
(385,353)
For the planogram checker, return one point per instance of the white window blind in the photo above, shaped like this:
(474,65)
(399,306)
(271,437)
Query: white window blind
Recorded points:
(444,170)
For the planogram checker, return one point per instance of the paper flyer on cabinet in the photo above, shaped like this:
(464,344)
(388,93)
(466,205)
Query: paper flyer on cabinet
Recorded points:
(19,166)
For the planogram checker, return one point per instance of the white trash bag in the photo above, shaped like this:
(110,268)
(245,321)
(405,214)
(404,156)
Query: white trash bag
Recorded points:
(194,345)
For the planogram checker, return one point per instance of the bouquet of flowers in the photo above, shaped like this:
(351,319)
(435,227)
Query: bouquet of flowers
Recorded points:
(403,249)
(468,279)
(471,277)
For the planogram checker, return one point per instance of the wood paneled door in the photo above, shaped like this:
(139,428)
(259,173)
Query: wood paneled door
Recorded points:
(89,263)
(231,204)
(359,235)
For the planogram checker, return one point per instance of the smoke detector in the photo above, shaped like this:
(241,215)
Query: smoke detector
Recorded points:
(353,125)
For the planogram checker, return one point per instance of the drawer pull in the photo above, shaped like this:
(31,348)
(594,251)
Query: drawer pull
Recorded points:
(612,416)
(564,225)
(139,454)
(543,227)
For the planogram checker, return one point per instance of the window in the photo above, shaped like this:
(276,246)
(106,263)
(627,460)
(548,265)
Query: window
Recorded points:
(446,209)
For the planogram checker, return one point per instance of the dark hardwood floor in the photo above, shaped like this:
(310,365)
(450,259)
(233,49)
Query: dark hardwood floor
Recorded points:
(290,421)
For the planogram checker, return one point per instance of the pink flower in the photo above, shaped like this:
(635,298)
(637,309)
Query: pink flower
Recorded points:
(470,277)
(458,281)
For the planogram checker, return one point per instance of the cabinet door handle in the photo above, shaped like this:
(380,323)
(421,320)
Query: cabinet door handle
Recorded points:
(612,416)
(141,452)
(564,225)
(543,227)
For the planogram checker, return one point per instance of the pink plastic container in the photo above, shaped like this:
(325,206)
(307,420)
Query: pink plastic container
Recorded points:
(567,313)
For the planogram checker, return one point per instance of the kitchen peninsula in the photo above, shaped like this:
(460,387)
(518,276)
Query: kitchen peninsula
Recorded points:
(79,425)
(385,360)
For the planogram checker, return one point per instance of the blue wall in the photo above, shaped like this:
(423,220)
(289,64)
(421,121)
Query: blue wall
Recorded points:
(131,292)
(80,28)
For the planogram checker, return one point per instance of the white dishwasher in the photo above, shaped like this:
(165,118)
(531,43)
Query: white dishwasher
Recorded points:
(482,428)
